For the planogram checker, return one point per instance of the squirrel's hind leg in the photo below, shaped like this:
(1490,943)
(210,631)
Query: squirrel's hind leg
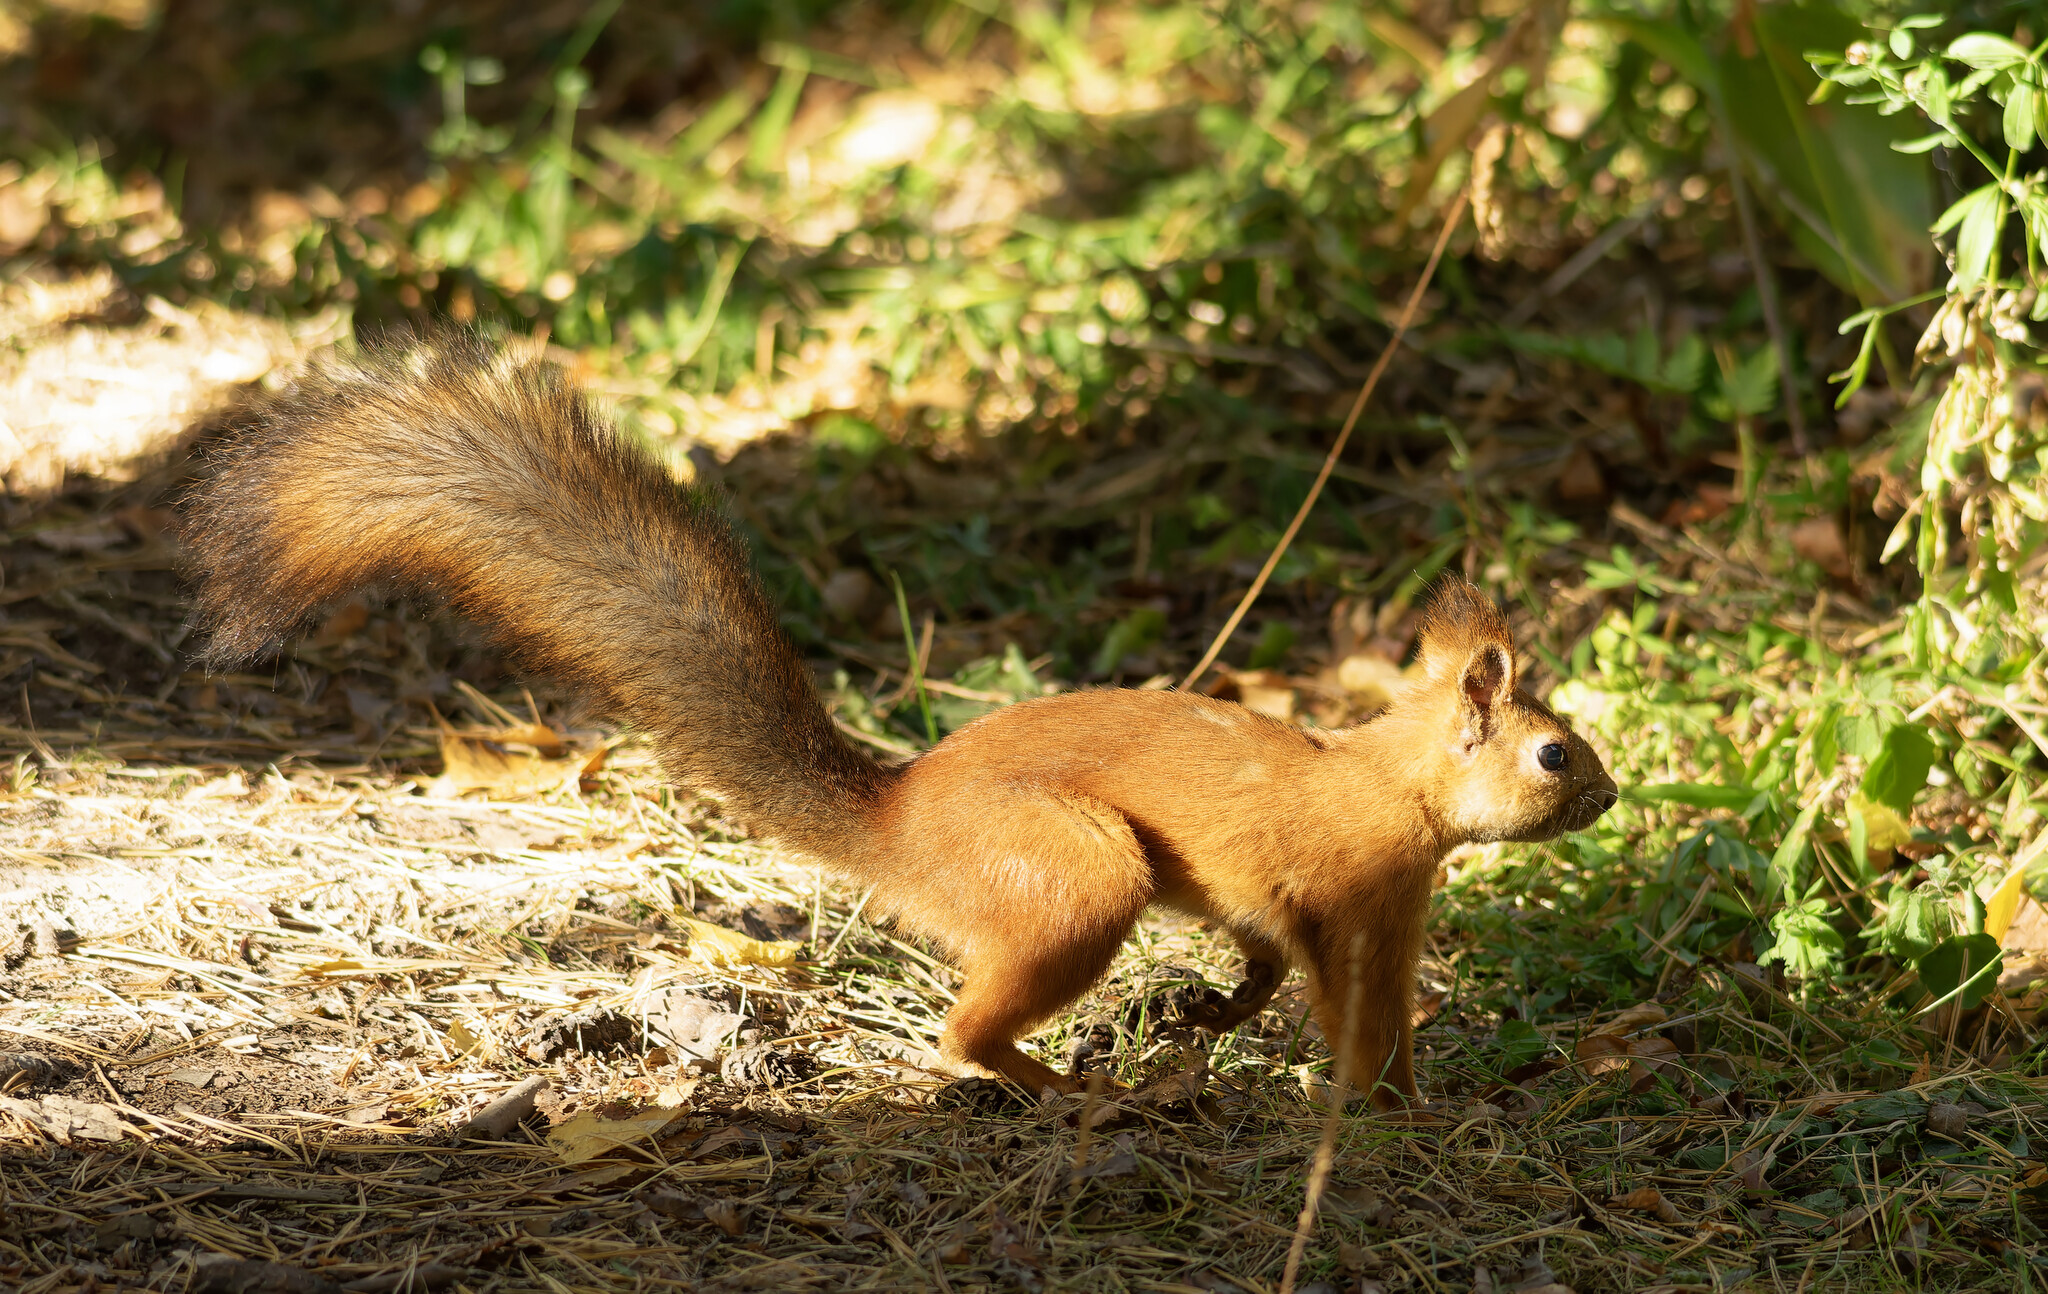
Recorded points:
(1265,966)
(1072,889)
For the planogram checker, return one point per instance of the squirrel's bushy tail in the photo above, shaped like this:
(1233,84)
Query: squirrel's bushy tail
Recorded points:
(452,467)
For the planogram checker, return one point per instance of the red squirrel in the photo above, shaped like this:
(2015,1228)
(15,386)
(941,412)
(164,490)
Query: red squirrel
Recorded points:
(1026,843)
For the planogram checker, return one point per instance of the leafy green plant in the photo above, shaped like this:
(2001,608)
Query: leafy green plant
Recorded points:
(1982,504)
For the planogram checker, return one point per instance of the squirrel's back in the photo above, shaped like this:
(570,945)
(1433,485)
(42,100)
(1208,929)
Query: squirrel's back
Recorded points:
(455,468)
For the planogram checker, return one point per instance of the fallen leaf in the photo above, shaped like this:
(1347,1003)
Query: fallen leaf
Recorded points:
(342,625)
(1637,1017)
(1749,1169)
(1950,1121)
(1647,1199)
(370,967)
(743,1137)
(64,1118)
(1819,540)
(85,537)
(1601,1053)
(718,946)
(1262,691)
(1708,502)
(1371,678)
(524,759)
(586,1136)
(1581,481)
(726,1216)
(693,1028)
(469,1043)
(953,1249)
(220,1274)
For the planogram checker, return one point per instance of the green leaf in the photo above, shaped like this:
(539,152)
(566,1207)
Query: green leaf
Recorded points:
(1982,49)
(2019,118)
(1977,244)
(1130,635)
(1921,22)
(1276,639)
(1826,740)
(1969,963)
(1924,144)
(1964,205)
(1697,794)
(1856,209)
(1520,1043)
(1858,371)
(1914,922)
(1686,365)
(1807,943)
(1785,862)
(1938,98)
(1752,388)
(1902,43)
(1899,770)
(1879,1110)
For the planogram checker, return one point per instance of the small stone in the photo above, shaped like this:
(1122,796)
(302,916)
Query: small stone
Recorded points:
(1948,1120)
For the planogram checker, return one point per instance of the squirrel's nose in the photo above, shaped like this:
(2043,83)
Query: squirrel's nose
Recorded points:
(1606,797)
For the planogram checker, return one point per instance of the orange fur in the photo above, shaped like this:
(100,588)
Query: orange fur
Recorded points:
(1027,843)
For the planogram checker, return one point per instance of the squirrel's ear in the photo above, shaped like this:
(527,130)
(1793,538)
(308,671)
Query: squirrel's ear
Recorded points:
(1458,625)
(1484,686)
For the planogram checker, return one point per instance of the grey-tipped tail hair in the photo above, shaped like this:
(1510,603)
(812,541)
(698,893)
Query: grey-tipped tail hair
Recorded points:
(451,467)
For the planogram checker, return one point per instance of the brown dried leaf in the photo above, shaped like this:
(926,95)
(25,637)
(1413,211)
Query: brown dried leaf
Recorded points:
(1641,1016)
(1647,1199)
(1601,1053)
(1819,540)
(1748,1168)
(726,1216)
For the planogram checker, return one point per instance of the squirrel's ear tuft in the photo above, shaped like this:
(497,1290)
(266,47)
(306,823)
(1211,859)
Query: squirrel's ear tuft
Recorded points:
(1460,626)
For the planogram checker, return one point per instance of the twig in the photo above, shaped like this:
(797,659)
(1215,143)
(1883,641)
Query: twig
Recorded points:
(1340,1088)
(1315,491)
(502,1115)
(1087,1131)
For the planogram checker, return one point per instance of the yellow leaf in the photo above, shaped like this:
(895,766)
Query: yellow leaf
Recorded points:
(469,1043)
(521,760)
(2003,904)
(717,946)
(586,1136)
(366,967)
(339,966)
(1884,829)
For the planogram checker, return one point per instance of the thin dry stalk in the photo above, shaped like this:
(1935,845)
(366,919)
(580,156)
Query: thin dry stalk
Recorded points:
(1326,1147)
(1372,380)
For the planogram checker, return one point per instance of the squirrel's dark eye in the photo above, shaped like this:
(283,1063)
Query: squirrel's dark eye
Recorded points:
(1552,757)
